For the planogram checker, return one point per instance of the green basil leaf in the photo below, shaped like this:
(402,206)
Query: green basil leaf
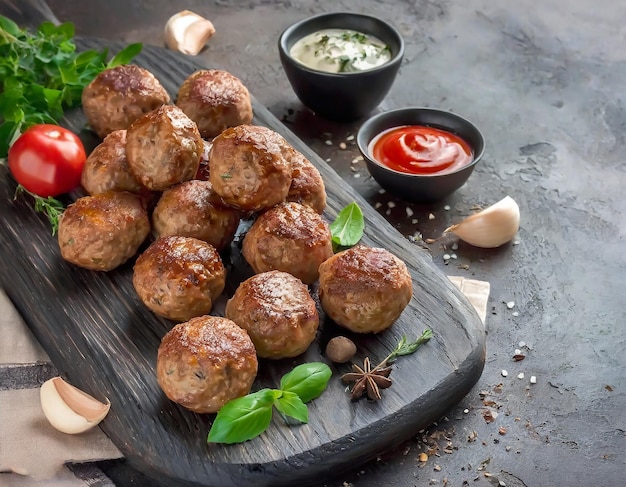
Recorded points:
(347,229)
(290,404)
(243,418)
(308,380)
(125,55)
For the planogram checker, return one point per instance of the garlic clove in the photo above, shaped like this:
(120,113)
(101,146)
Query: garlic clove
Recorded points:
(491,227)
(69,409)
(188,32)
(196,36)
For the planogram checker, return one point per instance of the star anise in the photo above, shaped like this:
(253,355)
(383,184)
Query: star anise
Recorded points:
(368,380)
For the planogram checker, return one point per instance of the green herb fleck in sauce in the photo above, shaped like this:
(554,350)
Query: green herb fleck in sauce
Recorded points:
(340,51)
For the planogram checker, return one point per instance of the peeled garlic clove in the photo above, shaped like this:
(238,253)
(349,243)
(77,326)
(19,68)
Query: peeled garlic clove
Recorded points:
(188,32)
(69,409)
(491,227)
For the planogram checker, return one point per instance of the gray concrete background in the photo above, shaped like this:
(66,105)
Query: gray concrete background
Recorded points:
(545,82)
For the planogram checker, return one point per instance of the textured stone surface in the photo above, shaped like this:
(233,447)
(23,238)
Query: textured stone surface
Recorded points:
(544,81)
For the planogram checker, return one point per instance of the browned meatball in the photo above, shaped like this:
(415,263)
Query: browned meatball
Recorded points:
(277,311)
(364,289)
(163,148)
(251,167)
(106,168)
(103,231)
(307,186)
(193,209)
(215,100)
(120,95)
(289,237)
(179,277)
(205,362)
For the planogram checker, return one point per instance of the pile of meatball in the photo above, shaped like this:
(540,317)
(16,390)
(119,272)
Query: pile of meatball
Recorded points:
(181,176)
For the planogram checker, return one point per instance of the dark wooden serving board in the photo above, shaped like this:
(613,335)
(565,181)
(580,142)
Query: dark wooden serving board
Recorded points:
(103,340)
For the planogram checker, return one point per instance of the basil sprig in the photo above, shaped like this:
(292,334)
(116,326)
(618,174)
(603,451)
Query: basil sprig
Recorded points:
(347,229)
(247,417)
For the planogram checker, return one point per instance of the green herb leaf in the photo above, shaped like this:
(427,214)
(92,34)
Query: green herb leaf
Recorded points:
(290,404)
(347,229)
(9,27)
(52,208)
(344,63)
(125,55)
(247,417)
(41,75)
(406,348)
(308,380)
(323,40)
(243,418)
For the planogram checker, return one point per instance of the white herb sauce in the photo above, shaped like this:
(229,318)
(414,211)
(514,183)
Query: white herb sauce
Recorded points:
(340,51)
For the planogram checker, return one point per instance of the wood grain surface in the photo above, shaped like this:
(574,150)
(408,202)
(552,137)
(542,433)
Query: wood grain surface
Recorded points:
(103,340)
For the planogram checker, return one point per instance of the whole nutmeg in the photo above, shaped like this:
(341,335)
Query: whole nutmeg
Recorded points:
(340,349)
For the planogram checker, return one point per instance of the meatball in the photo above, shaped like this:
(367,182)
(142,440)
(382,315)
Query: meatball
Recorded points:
(364,289)
(278,313)
(106,168)
(205,362)
(179,277)
(289,237)
(215,100)
(307,186)
(251,167)
(103,231)
(163,148)
(193,209)
(120,95)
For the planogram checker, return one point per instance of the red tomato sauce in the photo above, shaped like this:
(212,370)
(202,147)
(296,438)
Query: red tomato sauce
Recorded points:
(417,149)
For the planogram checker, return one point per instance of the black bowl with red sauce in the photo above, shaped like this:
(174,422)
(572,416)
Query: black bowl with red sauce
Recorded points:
(421,155)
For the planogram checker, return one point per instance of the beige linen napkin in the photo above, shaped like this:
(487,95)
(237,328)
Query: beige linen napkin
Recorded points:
(476,292)
(31,447)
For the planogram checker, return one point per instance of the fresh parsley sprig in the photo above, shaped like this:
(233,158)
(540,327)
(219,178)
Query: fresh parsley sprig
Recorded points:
(41,75)
(247,417)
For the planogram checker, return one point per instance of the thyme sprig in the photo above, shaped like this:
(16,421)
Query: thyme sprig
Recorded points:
(370,380)
(405,347)
(49,206)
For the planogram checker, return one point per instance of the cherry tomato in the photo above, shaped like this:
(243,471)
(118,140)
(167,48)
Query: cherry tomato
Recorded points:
(47,160)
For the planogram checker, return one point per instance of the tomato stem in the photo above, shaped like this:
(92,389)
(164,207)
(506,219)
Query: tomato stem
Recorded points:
(49,206)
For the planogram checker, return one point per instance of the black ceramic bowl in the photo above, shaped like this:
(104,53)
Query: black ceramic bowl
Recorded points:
(341,96)
(414,187)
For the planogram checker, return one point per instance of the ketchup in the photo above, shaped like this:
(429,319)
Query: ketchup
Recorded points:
(417,149)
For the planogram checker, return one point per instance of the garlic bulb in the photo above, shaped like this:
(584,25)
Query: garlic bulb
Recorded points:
(491,227)
(188,32)
(69,409)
